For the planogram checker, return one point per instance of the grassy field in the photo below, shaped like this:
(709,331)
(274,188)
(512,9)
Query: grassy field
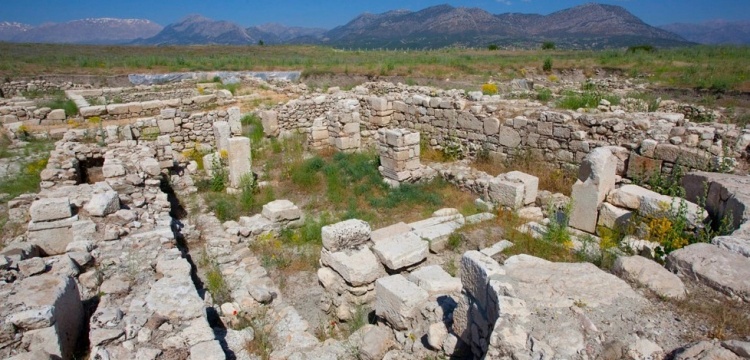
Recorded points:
(701,67)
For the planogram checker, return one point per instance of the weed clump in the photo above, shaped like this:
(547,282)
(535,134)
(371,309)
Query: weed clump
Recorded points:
(489,89)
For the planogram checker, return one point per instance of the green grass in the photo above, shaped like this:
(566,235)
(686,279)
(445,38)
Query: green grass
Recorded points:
(718,68)
(217,286)
(70,107)
(27,181)
(585,100)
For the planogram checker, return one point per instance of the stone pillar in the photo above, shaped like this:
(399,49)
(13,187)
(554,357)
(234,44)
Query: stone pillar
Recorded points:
(234,117)
(596,178)
(343,126)
(399,154)
(319,134)
(381,111)
(240,160)
(221,135)
(270,121)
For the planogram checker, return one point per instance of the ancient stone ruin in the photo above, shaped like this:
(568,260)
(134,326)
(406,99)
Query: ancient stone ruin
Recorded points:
(106,264)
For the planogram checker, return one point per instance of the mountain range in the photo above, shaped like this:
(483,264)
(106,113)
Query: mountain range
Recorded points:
(84,31)
(584,26)
(713,32)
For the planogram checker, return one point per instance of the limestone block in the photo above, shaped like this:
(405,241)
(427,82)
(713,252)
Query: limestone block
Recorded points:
(234,118)
(435,280)
(476,271)
(379,103)
(401,251)
(734,244)
(716,267)
(345,235)
(530,182)
(90,111)
(389,231)
(112,169)
(652,204)
(643,168)
(117,109)
(134,107)
(222,131)
(152,105)
(506,192)
(648,273)
(585,211)
(437,234)
(270,122)
(375,342)
(240,162)
(203,99)
(599,168)
(51,241)
(33,266)
(508,137)
(166,126)
(168,113)
(59,295)
(356,267)
(209,350)
(497,248)
(50,209)
(436,335)
(281,211)
(612,217)
(175,298)
(103,204)
(57,114)
(398,300)
(150,166)
(491,126)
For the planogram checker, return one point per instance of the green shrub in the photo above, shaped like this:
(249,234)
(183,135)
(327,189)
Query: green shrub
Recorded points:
(641,48)
(548,45)
(557,228)
(217,286)
(492,47)
(454,241)
(306,174)
(70,107)
(544,95)
(585,100)
(233,87)
(547,66)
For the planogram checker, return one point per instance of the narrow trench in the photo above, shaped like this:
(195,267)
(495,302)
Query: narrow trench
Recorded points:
(178,213)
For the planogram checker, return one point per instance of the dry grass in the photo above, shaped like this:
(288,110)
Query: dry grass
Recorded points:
(551,177)
(712,314)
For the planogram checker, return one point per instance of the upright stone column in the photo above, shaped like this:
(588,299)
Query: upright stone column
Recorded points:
(399,154)
(343,126)
(222,132)
(240,160)
(270,121)
(234,118)
(596,178)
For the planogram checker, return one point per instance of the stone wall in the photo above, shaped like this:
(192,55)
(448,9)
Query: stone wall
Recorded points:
(501,128)
(18,88)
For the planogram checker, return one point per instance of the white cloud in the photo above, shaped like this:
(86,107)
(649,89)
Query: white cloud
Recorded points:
(505,2)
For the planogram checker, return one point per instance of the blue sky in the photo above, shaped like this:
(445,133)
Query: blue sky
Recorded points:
(331,13)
